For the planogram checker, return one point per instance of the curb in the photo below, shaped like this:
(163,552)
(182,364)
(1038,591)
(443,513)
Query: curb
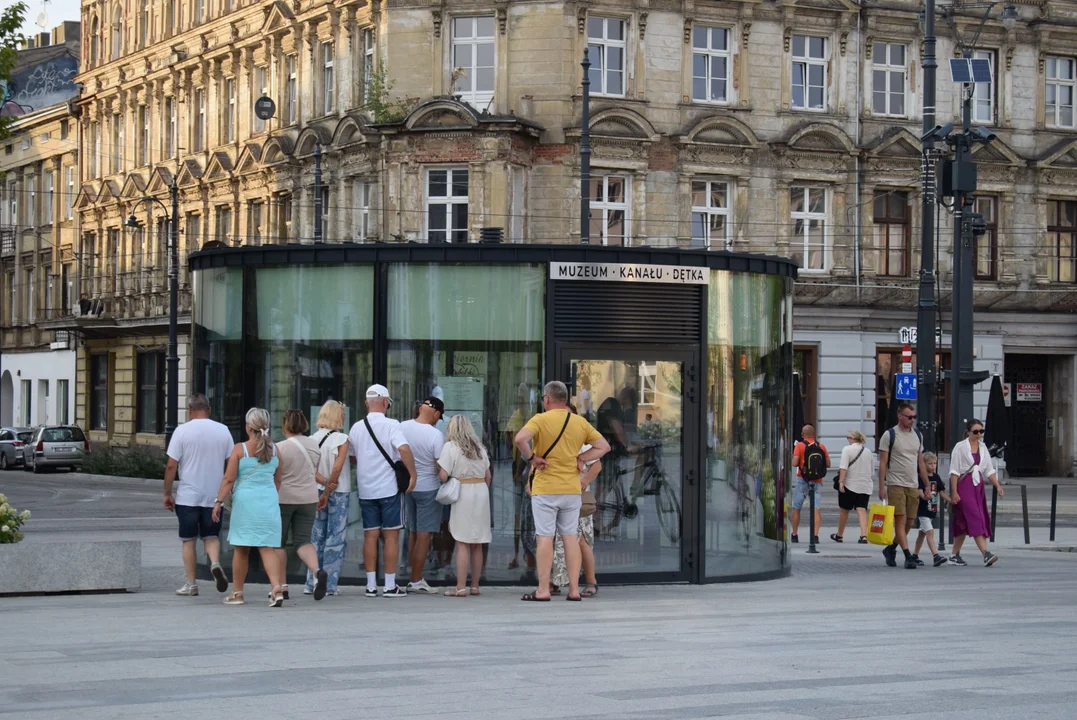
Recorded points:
(119,479)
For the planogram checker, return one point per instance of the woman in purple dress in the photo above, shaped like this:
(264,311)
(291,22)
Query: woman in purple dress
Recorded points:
(970,467)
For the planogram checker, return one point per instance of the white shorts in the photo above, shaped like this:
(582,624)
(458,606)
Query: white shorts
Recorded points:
(924,524)
(556,514)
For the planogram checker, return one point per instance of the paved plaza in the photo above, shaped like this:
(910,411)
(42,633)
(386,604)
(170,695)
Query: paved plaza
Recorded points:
(844,637)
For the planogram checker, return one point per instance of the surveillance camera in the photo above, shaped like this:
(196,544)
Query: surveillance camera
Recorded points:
(983,134)
(937,133)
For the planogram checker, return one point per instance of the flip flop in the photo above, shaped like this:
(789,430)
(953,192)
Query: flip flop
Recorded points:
(555,589)
(573,599)
(588,592)
(532,597)
(836,538)
(475,591)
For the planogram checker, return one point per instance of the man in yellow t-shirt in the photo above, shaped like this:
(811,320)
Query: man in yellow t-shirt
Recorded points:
(555,493)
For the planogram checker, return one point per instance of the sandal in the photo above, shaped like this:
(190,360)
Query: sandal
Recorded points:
(555,589)
(590,590)
(276,598)
(835,537)
(235,598)
(475,591)
(533,597)
(453,592)
(863,540)
(573,599)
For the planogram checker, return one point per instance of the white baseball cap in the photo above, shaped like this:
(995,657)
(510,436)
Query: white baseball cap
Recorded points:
(378,391)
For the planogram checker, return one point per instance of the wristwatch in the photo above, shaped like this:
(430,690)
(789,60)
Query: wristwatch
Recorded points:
(215,501)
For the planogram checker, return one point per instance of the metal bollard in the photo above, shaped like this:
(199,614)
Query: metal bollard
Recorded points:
(942,524)
(1054,507)
(811,519)
(994,507)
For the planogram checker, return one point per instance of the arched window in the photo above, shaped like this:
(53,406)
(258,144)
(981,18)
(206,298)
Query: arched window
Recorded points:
(117,34)
(95,41)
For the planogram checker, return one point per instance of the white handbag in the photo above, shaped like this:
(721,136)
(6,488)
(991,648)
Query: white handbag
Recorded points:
(449,492)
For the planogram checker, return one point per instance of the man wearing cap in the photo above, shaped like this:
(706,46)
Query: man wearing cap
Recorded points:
(423,510)
(380,500)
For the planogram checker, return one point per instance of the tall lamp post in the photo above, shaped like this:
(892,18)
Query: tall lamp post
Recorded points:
(172,358)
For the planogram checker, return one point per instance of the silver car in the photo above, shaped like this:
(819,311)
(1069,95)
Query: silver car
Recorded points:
(54,446)
(12,441)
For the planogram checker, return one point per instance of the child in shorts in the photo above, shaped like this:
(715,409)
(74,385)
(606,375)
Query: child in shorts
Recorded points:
(929,507)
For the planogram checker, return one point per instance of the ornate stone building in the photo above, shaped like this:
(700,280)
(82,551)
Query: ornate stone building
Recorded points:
(789,128)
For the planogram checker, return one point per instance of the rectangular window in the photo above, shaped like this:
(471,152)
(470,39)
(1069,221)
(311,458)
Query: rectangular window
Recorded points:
(199,139)
(1060,85)
(473,59)
(255,214)
(115,153)
(66,288)
(284,222)
(69,193)
(224,224)
(809,72)
(143,135)
(362,210)
(609,209)
(199,11)
(63,402)
(193,229)
(150,408)
(228,128)
(648,383)
(446,205)
(805,365)
(12,206)
(711,61)
(27,416)
(65,129)
(259,88)
(983,97)
(606,41)
(985,248)
(31,198)
(328,82)
(28,304)
(291,99)
(808,214)
(891,218)
(172,18)
(1062,240)
(888,79)
(13,298)
(170,127)
(144,25)
(50,288)
(710,214)
(368,62)
(95,150)
(99,391)
(50,197)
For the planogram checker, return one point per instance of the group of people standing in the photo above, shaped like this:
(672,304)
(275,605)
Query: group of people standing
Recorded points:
(908,481)
(301,487)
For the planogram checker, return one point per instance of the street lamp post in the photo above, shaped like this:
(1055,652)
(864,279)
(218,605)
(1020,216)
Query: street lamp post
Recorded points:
(585,152)
(927,374)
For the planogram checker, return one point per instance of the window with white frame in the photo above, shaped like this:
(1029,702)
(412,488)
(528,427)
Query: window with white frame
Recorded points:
(606,42)
(69,194)
(368,62)
(143,135)
(363,192)
(808,215)
(473,59)
(224,223)
(888,79)
(1060,85)
(710,214)
(291,88)
(31,205)
(809,72)
(198,142)
(50,196)
(446,205)
(983,94)
(609,209)
(711,61)
(228,123)
(329,104)
(259,88)
(170,127)
(648,382)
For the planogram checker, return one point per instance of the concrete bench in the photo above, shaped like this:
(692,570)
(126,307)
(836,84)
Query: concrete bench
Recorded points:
(60,567)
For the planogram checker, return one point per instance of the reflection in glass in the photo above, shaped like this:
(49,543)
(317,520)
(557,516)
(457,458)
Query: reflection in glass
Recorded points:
(218,343)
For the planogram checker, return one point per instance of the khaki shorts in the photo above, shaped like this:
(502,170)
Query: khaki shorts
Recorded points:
(905,500)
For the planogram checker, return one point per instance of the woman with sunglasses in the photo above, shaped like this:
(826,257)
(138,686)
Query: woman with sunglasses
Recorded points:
(970,466)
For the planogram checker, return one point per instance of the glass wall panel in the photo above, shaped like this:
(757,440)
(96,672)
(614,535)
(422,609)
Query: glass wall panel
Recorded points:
(749,357)
(473,336)
(218,343)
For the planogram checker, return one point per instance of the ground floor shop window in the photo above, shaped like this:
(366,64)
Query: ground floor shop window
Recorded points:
(99,391)
(806,366)
(887,366)
(150,410)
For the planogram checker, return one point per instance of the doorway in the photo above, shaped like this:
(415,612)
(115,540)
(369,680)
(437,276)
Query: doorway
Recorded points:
(1027,377)
(639,400)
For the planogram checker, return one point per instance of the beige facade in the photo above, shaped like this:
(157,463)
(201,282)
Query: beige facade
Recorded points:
(789,129)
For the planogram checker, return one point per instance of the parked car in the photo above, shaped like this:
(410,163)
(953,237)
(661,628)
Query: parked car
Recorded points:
(54,446)
(12,441)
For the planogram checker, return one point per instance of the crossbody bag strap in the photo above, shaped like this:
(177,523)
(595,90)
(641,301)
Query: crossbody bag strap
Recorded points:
(322,441)
(378,444)
(862,449)
(306,456)
(558,438)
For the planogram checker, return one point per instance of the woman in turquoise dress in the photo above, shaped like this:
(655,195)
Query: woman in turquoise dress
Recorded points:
(253,478)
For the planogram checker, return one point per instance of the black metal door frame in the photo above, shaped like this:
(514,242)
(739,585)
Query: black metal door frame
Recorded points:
(691,461)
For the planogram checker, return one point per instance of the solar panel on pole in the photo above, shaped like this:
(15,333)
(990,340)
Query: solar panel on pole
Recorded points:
(960,70)
(981,70)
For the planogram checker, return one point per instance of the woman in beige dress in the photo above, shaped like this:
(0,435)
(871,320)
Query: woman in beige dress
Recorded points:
(465,459)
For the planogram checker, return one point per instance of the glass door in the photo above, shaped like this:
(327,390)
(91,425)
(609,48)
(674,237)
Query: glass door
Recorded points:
(637,402)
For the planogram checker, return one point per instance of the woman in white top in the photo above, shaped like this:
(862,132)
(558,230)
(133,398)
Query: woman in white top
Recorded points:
(854,484)
(330,533)
(465,459)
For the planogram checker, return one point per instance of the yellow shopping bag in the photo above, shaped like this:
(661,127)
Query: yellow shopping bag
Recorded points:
(881,524)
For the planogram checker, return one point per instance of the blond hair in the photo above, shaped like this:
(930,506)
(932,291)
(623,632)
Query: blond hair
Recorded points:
(931,457)
(331,416)
(462,435)
(858,437)
(258,428)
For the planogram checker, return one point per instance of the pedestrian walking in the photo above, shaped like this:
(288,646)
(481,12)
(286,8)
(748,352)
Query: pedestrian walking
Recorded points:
(854,485)
(330,533)
(811,459)
(928,509)
(463,457)
(901,465)
(586,534)
(423,509)
(198,453)
(299,497)
(251,482)
(552,441)
(377,444)
(970,466)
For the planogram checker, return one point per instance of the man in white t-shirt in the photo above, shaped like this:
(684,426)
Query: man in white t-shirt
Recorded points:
(380,500)
(423,509)
(199,450)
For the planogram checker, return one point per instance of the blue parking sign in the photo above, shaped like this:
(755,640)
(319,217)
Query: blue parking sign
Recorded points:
(906,386)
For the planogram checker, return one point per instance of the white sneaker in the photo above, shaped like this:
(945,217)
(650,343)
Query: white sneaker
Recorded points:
(421,587)
(188,590)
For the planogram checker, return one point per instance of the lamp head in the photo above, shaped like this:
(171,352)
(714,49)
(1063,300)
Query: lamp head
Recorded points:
(132,222)
(1009,16)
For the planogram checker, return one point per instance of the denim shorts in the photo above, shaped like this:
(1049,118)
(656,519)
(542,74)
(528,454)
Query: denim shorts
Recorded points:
(383,513)
(424,511)
(556,514)
(196,522)
(800,493)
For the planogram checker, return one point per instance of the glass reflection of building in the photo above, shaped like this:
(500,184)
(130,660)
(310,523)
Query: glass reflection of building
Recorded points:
(292,327)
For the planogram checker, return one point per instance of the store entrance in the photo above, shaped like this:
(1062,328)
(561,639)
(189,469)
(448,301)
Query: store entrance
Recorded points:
(639,401)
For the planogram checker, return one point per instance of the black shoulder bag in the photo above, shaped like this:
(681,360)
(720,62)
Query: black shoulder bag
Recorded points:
(403,475)
(531,478)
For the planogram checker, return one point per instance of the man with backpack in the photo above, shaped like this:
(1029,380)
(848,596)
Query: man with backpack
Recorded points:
(901,459)
(812,461)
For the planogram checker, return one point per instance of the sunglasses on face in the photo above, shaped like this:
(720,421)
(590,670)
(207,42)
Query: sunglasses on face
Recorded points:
(978,432)
(909,417)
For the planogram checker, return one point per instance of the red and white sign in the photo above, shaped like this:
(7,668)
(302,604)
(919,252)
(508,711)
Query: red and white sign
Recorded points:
(1029,392)
(906,360)
(1007,393)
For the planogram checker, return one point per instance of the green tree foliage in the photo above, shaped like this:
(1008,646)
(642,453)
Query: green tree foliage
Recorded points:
(11,19)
